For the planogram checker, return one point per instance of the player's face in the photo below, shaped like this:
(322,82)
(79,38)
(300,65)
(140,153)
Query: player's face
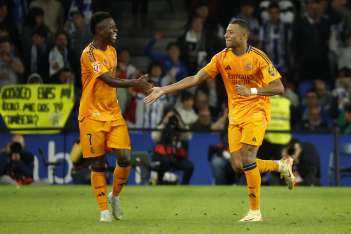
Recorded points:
(109,31)
(235,36)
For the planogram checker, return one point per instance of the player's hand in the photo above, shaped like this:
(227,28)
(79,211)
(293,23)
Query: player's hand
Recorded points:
(144,84)
(243,91)
(156,93)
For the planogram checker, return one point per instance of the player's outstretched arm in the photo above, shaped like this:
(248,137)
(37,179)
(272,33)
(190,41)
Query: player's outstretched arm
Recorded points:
(273,88)
(141,82)
(185,83)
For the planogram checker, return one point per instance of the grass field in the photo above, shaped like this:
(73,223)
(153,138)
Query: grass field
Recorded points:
(72,209)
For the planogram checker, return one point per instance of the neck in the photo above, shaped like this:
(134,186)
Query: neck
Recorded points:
(240,50)
(99,44)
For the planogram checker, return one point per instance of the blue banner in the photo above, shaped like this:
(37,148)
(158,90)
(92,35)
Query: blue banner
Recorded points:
(57,147)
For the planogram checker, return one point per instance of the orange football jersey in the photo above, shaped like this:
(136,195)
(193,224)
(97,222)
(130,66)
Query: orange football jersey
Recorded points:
(98,100)
(253,70)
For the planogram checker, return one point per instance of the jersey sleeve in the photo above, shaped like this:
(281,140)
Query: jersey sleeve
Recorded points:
(269,72)
(94,63)
(212,67)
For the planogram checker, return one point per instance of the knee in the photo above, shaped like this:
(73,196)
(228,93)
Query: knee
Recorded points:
(123,161)
(98,164)
(248,155)
(236,164)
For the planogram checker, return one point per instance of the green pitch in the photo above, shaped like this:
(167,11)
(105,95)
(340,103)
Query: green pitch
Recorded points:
(177,209)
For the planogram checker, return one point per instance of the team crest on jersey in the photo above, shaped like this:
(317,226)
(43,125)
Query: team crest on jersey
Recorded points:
(96,67)
(271,71)
(248,66)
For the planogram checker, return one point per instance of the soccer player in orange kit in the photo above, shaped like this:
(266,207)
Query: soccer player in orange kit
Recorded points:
(102,127)
(249,78)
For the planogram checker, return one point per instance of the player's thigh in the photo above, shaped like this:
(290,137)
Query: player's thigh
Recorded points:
(118,137)
(234,137)
(92,138)
(254,129)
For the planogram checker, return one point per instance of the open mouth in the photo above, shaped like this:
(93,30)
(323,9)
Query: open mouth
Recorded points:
(114,36)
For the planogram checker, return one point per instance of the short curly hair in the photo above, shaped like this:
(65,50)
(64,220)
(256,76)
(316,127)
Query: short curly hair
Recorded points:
(97,18)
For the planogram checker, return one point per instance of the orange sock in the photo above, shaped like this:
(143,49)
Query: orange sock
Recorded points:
(98,184)
(253,180)
(120,178)
(267,165)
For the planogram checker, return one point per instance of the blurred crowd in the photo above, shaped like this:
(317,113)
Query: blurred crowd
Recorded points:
(308,41)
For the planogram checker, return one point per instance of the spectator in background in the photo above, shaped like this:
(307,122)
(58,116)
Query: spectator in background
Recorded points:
(66,76)
(274,38)
(314,117)
(247,12)
(171,149)
(341,9)
(34,20)
(63,76)
(342,91)
(79,35)
(148,116)
(202,102)
(274,143)
(344,120)
(286,7)
(313,121)
(11,67)
(34,78)
(193,45)
(324,96)
(340,30)
(20,162)
(60,55)
(213,29)
(84,7)
(310,44)
(174,67)
(210,88)
(211,22)
(306,162)
(204,122)
(36,57)
(54,18)
(291,94)
(4,163)
(186,108)
(19,10)
(344,60)
(125,70)
(7,25)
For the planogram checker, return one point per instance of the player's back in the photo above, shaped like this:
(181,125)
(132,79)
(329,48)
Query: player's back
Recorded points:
(98,100)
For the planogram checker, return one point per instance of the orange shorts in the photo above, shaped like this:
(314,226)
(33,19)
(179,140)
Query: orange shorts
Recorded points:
(99,137)
(250,132)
